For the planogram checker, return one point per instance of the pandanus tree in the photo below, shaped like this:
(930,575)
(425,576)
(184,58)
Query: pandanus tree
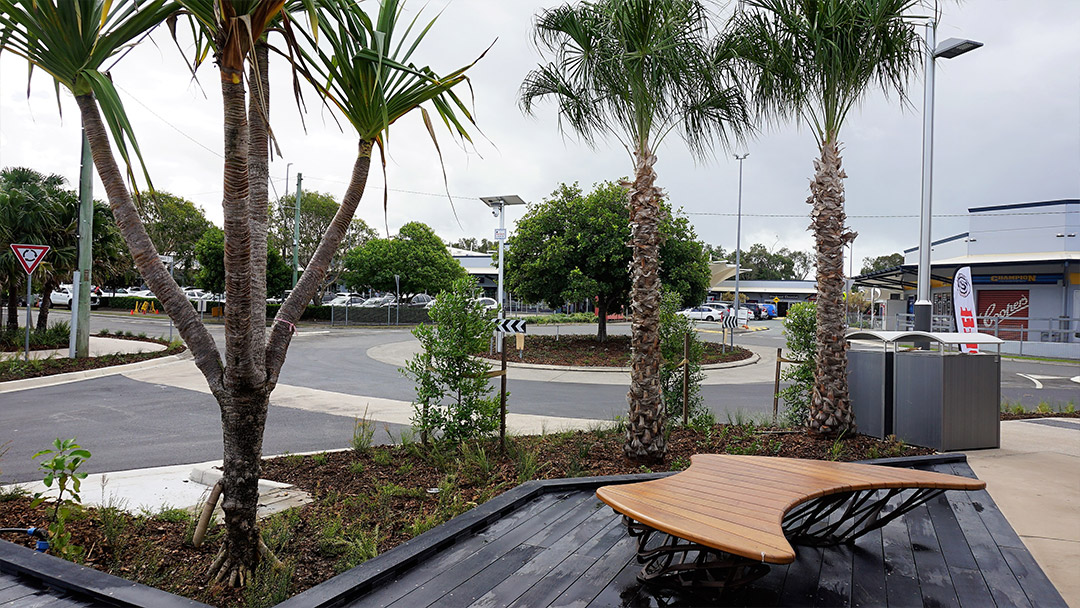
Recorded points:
(638,70)
(71,40)
(814,60)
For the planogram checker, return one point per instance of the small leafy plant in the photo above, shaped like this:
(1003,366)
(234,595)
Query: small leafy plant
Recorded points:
(453,395)
(800,325)
(63,470)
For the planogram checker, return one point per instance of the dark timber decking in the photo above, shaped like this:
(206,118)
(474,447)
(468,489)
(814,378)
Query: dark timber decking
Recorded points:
(565,548)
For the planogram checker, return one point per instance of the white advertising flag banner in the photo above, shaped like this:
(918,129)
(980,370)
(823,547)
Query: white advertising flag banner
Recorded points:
(964,305)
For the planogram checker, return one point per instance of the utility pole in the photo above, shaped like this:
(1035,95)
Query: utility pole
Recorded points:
(296,230)
(81,327)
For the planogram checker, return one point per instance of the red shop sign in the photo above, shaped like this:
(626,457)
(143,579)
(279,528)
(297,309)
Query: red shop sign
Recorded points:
(1007,310)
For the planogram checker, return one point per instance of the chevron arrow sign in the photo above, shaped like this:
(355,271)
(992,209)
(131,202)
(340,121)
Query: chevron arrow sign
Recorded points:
(511,326)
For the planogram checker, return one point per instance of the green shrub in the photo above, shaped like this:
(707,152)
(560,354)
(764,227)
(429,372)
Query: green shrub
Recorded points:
(577,317)
(453,396)
(800,326)
(63,470)
(55,336)
(673,330)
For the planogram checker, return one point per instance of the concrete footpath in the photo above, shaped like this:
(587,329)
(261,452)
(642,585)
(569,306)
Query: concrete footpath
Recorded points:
(1034,477)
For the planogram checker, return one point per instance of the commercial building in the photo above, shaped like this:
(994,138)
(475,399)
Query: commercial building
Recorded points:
(1025,266)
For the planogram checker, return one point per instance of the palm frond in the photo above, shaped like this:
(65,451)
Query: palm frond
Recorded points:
(72,39)
(817,59)
(638,69)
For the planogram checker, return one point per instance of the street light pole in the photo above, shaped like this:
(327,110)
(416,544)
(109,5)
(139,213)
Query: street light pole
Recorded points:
(296,230)
(950,48)
(738,244)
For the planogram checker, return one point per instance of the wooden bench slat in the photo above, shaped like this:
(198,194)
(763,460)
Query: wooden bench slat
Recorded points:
(737,504)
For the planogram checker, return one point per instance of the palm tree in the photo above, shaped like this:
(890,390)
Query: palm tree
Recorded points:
(30,207)
(638,70)
(814,60)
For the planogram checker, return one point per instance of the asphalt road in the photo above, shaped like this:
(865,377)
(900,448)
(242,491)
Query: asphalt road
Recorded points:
(131,424)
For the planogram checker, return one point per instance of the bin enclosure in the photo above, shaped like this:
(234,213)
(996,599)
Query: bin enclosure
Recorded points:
(939,398)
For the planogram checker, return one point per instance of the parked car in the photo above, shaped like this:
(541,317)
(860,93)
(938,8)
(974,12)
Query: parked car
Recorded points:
(61,296)
(421,299)
(347,300)
(703,313)
(374,302)
(488,303)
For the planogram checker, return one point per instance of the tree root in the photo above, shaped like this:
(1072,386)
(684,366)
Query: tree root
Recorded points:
(237,575)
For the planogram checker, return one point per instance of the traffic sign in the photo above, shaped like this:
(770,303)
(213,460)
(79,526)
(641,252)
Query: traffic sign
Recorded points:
(515,326)
(29,256)
(500,234)
(775,300)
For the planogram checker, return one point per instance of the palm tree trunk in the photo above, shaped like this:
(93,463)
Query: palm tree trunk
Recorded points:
(258,174)
(239,362)
(13,307)
(143,252)
(311,281)
(830,409)
(645,431)
(46,304)
(243,419)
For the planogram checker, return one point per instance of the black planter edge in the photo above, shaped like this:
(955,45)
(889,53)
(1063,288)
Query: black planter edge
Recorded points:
(361,579)
(57,573)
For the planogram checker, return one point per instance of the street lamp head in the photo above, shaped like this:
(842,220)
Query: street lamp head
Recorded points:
(953,47)
(742,156)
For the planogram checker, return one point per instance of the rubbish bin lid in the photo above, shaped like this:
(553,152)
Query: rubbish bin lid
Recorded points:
(950,337)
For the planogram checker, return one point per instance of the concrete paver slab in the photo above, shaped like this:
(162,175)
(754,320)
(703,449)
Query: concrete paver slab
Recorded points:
(1034,477)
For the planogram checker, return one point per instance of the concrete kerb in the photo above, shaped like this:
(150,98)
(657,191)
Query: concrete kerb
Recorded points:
(12,386)
(754,358)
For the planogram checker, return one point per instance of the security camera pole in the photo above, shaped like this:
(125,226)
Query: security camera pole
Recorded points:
(498,206)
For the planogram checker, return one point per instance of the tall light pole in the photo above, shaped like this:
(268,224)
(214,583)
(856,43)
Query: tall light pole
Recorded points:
(498,207)
(738,244)
(296,230)
(948,49)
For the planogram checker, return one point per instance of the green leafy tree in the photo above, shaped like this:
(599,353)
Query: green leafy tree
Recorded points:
(210,253)
(453,395)
(814,60)
(638,70)
(174,224)
(765,265)
(317,210)
(881,262)
(416,254)
(572,247)
(475,244)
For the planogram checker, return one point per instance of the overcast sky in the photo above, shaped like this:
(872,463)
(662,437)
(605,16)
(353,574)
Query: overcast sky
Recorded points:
(1007,130)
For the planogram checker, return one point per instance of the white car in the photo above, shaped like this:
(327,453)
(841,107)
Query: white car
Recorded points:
(61,296)
(703,313)
(488,303)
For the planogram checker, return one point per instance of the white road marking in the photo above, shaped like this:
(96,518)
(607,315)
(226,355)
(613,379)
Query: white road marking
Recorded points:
(1075,379)
(1032,378)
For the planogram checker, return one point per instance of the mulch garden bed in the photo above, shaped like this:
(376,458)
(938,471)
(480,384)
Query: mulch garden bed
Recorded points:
(587,351)
(17,369)
(369,501)
(1030,415)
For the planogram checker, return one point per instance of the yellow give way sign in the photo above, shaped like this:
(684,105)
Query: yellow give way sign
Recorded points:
(776,300)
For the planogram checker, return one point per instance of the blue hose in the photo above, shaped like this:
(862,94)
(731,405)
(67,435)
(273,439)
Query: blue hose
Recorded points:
(38,533)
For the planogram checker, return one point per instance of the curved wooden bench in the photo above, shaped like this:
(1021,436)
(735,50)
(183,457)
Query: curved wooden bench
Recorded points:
(733,514)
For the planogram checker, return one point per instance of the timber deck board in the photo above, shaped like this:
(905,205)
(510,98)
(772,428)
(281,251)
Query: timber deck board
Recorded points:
(571,550)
